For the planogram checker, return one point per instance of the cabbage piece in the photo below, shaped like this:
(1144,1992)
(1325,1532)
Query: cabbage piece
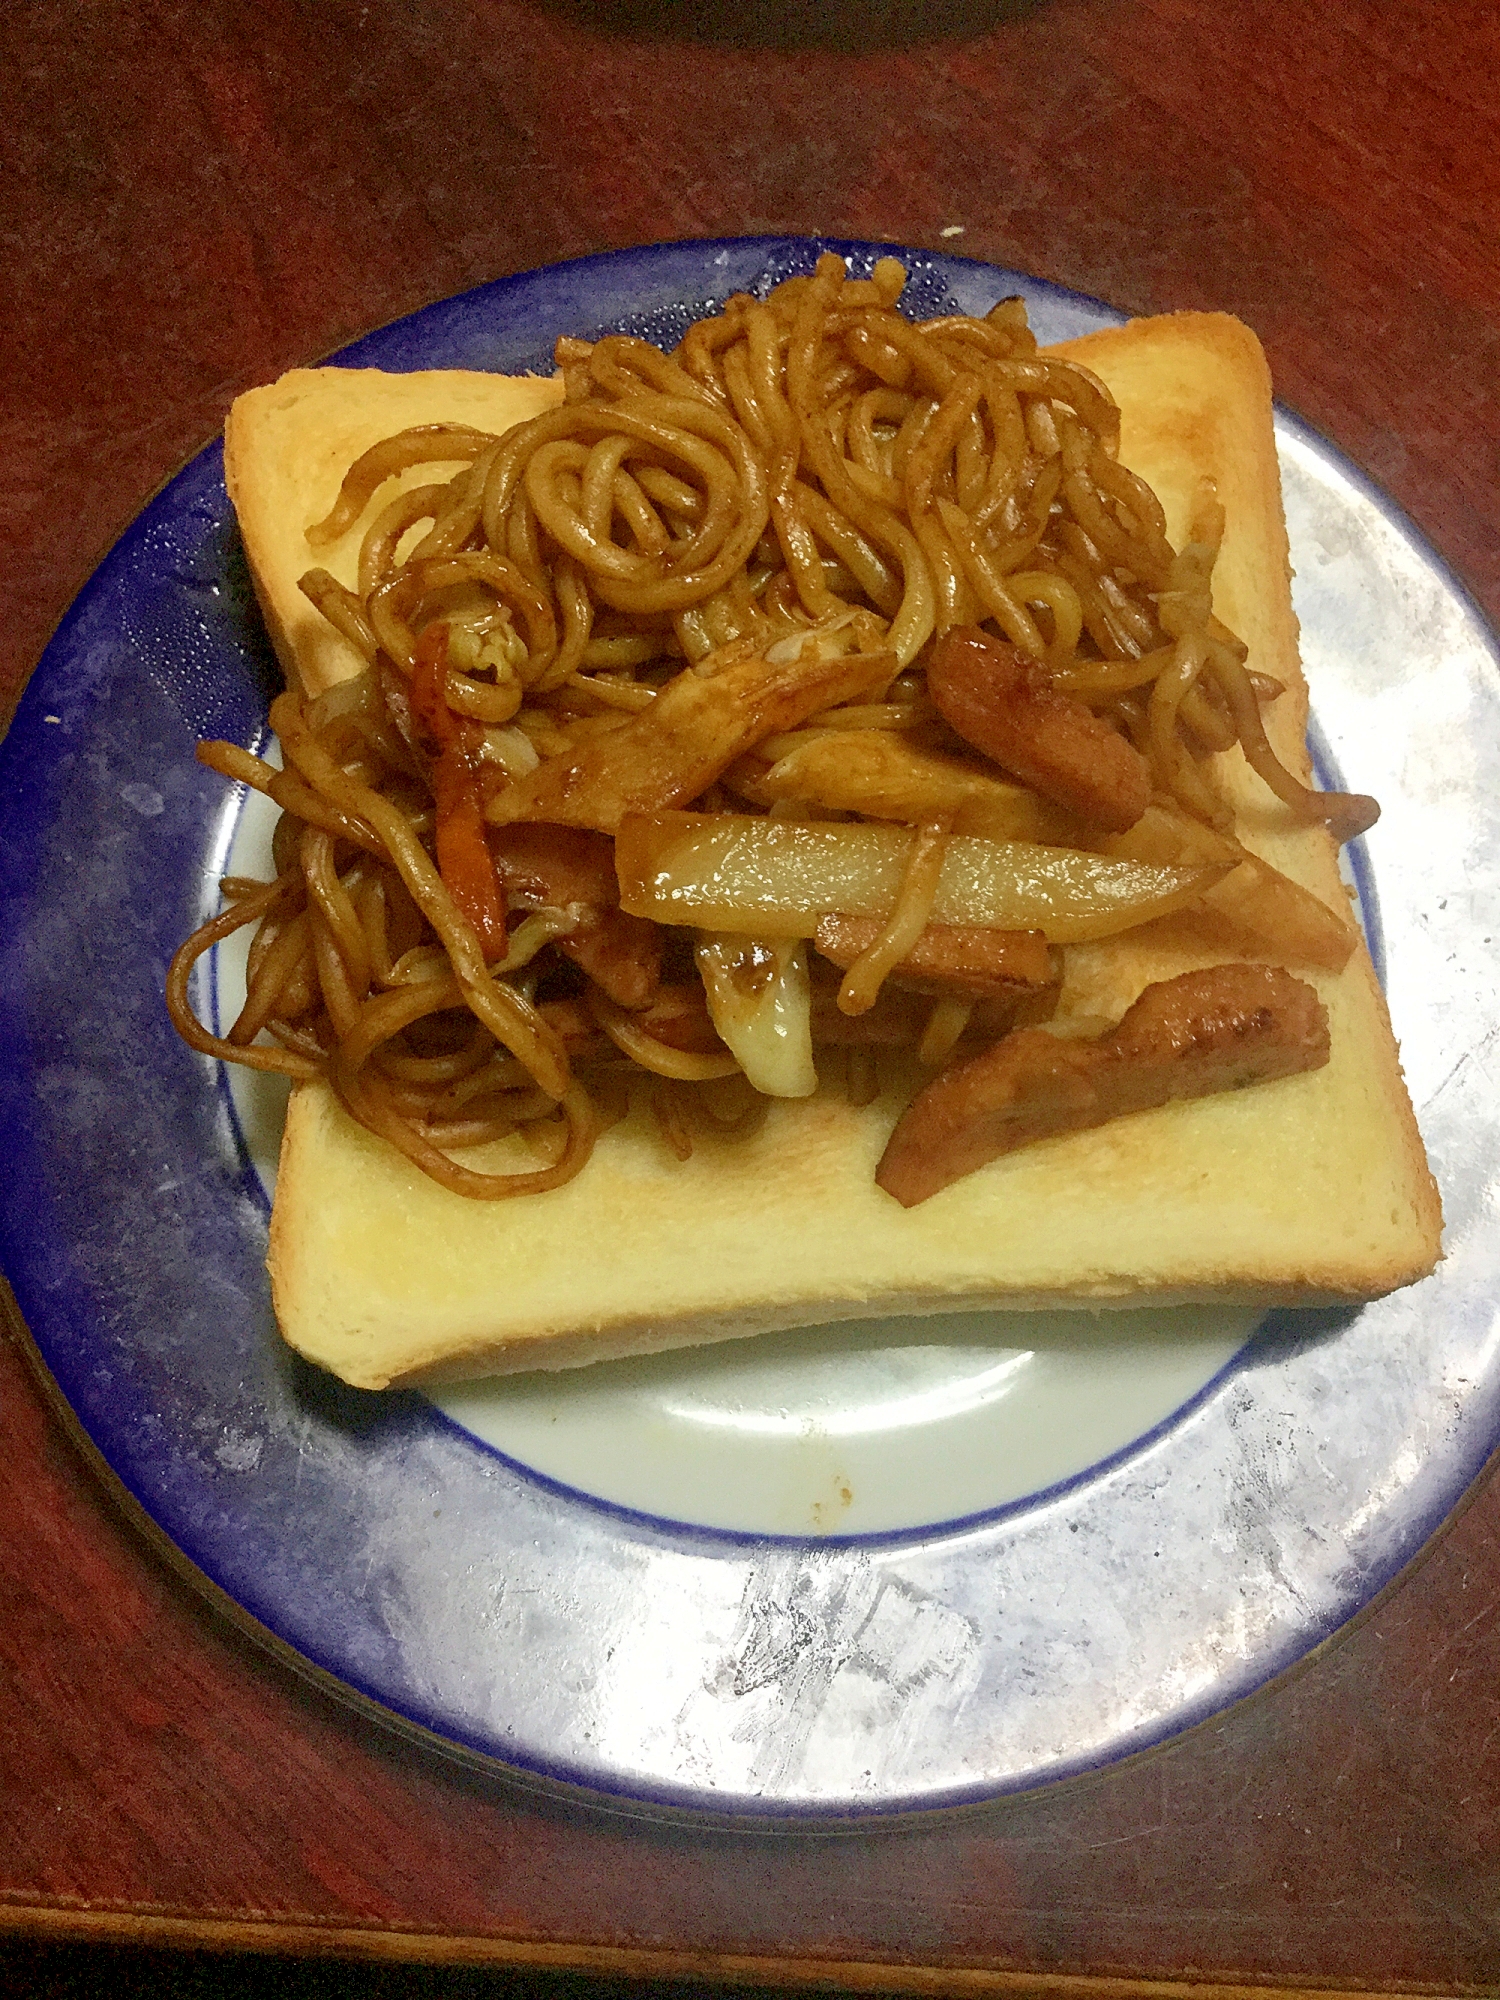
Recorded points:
(760,1000)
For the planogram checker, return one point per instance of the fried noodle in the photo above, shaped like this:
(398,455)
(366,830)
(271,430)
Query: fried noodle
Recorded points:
(807,468)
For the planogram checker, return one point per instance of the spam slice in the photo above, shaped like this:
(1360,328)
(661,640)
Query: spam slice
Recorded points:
(1308,1190)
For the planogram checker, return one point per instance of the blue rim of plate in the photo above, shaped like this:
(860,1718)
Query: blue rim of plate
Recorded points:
(130,1225)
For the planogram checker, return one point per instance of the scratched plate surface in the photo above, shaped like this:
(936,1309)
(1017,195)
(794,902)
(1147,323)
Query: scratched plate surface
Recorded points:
(668,1664)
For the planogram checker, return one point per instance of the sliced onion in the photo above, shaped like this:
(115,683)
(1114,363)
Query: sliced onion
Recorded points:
(776,878)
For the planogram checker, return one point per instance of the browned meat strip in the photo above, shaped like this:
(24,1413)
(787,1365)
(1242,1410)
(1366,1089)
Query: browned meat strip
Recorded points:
(567,867)
(1224,1026)
(1186,1037)
(897,1019)
(966,960)
(556,865)
(620,953)
(576,1026)
(1003,703)
(679,1017)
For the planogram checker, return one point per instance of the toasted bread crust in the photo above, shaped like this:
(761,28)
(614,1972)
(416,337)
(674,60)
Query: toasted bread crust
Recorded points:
(1307,1190)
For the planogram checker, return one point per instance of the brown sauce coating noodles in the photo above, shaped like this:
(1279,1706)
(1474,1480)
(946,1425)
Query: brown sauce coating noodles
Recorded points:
(810,463)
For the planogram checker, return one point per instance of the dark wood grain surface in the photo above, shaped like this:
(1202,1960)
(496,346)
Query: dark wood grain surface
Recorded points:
(196,196)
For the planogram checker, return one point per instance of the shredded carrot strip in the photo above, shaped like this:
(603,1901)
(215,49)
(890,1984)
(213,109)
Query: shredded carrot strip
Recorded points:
(463,853)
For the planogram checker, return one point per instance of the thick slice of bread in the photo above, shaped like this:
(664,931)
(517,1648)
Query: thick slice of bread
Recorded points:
(1307,1190)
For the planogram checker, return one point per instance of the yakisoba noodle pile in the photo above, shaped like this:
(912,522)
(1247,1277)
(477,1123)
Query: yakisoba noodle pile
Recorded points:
(692,611)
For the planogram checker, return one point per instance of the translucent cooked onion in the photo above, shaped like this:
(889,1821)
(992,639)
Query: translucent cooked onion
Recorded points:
(776,878)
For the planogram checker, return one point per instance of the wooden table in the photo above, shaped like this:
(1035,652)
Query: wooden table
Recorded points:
(198,196)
